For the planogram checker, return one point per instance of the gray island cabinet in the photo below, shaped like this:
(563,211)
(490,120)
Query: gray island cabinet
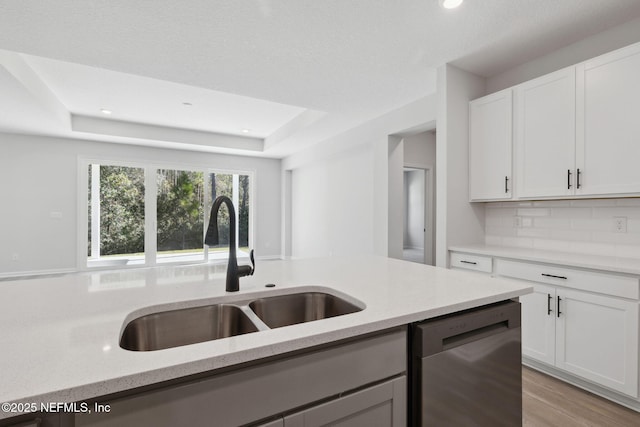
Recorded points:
(362,380)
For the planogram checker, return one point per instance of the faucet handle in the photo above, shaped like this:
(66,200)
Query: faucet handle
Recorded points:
(245,270)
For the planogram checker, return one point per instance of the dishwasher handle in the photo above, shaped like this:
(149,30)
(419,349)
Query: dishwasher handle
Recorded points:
(443,333)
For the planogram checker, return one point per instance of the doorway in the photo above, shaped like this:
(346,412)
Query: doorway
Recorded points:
(417,209)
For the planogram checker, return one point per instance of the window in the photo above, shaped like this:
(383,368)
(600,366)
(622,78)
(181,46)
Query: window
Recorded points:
(116,215)
(151,215)
(180,215)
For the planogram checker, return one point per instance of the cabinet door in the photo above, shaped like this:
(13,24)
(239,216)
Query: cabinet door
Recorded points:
(383,405)
(597,339)
(490,138)
(545,135)
(538,323)
(608,125)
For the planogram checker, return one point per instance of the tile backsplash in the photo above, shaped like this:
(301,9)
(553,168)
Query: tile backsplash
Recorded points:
(578,226)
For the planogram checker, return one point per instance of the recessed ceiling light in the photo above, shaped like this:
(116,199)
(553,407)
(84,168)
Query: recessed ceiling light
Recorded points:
(245,130)
(105,111)
(187,104)
(450,4)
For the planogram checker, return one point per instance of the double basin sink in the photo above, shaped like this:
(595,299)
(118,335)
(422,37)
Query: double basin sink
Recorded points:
(180,327)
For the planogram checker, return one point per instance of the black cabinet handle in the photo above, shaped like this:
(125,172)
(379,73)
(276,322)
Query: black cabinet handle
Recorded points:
(469,262)
(578,179)
(506,184)
(549,304)
(568,179)
(558,308)
(554,276)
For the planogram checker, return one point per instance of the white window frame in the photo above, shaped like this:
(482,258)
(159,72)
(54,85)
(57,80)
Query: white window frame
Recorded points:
(150,210)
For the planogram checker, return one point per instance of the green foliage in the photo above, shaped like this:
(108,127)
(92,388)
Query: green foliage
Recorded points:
(243,212)
(121,210)
(180,212)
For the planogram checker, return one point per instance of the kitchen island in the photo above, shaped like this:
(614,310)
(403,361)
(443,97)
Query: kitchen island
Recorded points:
(60,335)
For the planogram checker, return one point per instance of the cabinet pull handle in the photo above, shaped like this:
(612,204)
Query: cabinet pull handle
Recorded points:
(554,276)
(568,179)
(506,184)
(549,304)
(578,179)
(558,309)
(468,262)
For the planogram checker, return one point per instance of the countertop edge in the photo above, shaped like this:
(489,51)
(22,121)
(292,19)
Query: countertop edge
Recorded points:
(590,262)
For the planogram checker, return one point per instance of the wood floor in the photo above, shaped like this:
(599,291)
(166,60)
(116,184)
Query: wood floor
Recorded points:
(547,401)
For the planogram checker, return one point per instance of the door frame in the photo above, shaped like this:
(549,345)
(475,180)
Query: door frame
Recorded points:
(429,212)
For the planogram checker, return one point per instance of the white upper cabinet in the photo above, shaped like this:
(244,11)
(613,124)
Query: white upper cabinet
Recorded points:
(608,123)
(576,133)
(545,135)
(490,138)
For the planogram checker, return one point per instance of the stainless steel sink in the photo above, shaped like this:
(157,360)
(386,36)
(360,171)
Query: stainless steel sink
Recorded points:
(186,326)
(176,328)
(299,308)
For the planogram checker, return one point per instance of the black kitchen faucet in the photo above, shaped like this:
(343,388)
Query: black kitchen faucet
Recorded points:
(234,272)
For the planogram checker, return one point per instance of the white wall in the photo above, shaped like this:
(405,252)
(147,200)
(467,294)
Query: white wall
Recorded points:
(458,221)
(332,203)
(39,176)
(360,154)
(420,149)
(585,49)
(577,226)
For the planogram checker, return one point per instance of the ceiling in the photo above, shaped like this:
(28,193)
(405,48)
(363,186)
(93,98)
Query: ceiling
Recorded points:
(263,77)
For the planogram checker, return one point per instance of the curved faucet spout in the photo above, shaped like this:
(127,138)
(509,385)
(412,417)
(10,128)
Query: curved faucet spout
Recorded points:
(211,239)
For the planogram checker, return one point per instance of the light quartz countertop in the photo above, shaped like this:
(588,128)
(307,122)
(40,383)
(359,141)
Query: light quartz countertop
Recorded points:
(59,335)
(593,262)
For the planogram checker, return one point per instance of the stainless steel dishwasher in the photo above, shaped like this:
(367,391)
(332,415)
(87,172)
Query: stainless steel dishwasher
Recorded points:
(466,368)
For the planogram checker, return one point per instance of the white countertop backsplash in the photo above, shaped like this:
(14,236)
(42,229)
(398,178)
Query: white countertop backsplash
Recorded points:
(60,335)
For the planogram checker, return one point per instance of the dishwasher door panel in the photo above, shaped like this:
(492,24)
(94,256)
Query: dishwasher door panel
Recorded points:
(476,384)
(467,369)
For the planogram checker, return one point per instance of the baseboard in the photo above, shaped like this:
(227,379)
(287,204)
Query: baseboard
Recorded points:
(22,275)
(618,398)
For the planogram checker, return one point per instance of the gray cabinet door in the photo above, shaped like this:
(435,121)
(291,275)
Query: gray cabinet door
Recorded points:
(383,405)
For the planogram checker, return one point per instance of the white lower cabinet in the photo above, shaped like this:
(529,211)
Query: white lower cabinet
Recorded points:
(597,339)
(539,324)
(591,335)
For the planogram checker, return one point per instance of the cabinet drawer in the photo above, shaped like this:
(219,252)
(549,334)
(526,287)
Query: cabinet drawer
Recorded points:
(471,262)
(608,284)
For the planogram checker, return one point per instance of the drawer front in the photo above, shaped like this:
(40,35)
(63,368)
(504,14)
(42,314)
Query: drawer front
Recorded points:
(603,283)
(471,262)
